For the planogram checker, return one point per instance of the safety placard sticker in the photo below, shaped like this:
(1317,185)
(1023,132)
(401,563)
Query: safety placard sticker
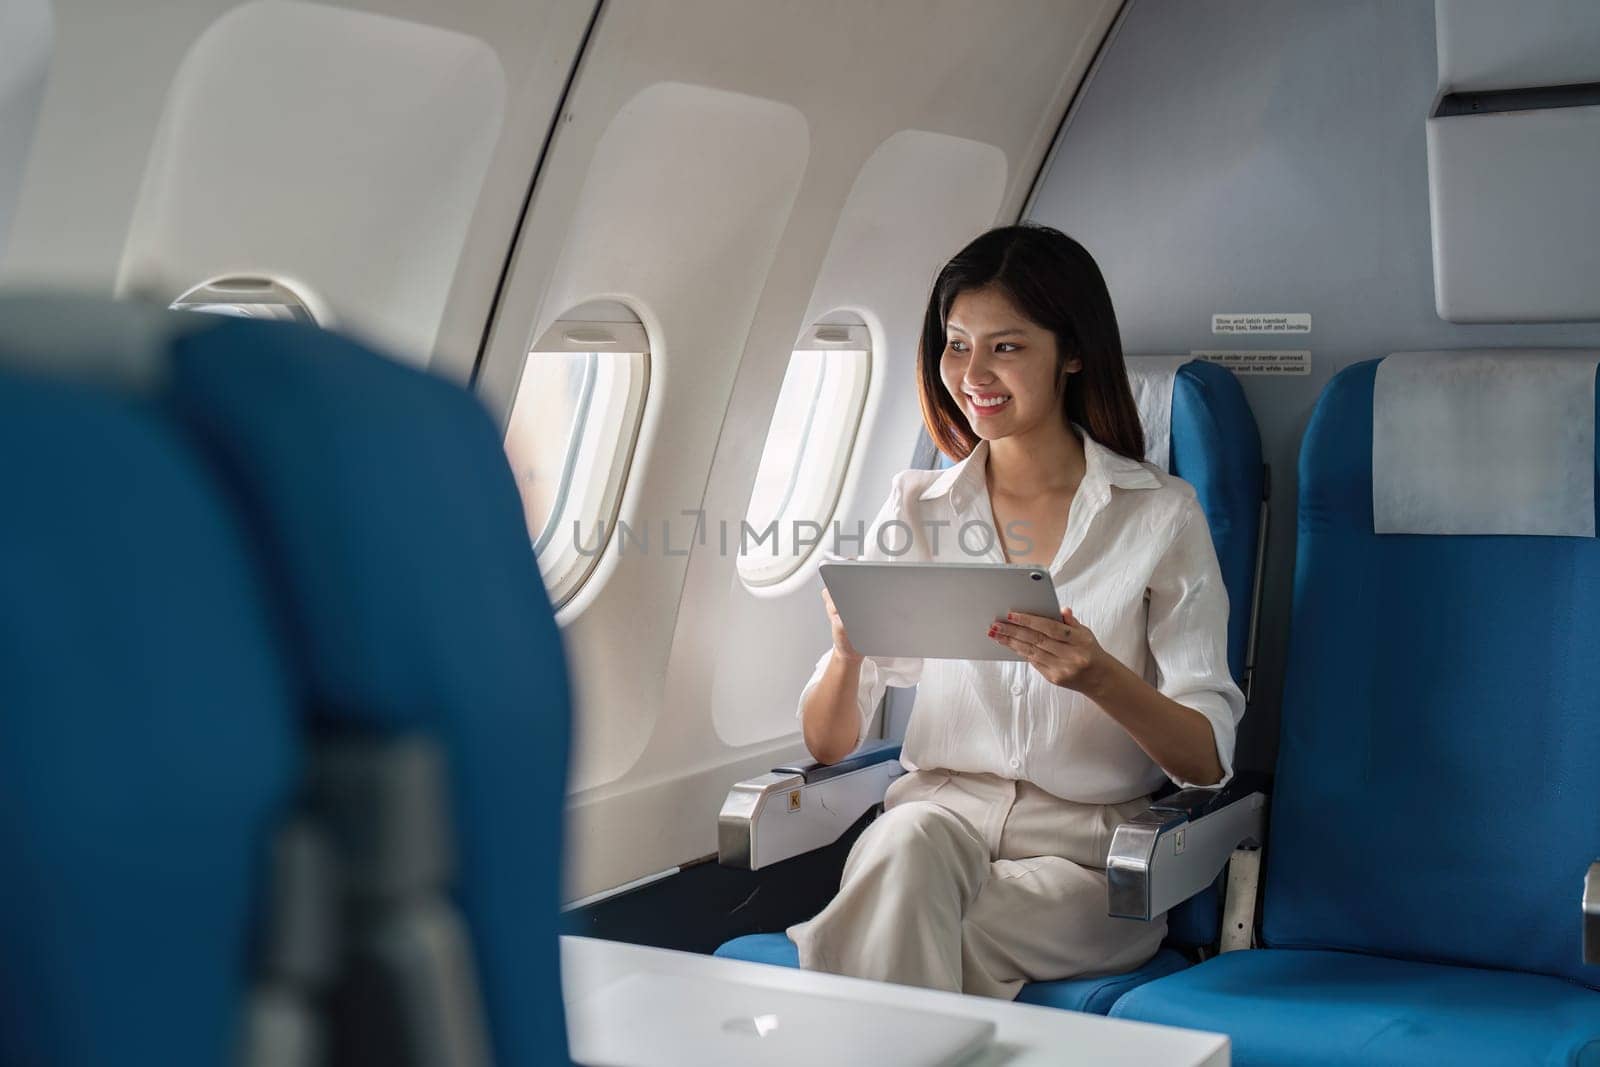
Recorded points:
(1275,322)
(1259,361)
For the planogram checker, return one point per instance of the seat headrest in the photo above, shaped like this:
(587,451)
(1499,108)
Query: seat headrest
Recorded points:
(1151,379)
(87,339)
(1484,442)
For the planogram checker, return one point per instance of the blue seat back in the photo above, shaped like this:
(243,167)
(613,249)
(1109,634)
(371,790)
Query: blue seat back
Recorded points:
(1216,447)
(390,524)
(147,736)
(1440,728)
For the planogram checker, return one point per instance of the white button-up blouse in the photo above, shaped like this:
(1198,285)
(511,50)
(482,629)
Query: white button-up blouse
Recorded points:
(1136,566)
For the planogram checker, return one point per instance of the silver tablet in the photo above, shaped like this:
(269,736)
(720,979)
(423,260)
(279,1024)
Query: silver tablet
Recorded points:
(934,610)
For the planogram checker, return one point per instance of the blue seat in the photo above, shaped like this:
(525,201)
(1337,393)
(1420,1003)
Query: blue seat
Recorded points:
(1433,813)
(1216,447)
(1288,1006)
(245,541)
(389,523)
(148,738)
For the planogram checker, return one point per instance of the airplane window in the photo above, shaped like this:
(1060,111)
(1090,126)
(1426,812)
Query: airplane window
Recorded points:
(807,451)
(570,438)
(247,298)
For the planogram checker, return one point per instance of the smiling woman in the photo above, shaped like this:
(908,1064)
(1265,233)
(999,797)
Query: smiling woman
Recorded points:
(1024,285)
(1018,770)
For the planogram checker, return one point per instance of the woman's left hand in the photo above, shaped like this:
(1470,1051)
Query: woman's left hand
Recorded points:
(1063,650)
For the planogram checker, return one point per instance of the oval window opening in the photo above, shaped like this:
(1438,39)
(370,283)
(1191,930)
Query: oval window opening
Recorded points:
(570,439)
(247,297)
(808,449)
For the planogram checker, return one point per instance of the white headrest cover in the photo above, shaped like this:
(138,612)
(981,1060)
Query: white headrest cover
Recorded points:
(1151,378)
(1484,442)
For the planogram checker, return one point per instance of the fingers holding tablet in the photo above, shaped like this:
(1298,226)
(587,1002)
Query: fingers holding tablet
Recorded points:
(1063,650)
(841,640)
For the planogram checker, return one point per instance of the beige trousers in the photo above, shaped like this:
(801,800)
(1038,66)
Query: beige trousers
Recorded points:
(977,883)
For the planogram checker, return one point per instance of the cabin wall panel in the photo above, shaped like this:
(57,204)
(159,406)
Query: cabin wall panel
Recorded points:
(647,640)
(1267,156)
(27,33)
(687,182)
(918,197)
(110,79)
(342,152)
(109,74)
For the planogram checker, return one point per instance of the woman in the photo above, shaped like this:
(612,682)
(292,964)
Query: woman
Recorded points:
(986,869)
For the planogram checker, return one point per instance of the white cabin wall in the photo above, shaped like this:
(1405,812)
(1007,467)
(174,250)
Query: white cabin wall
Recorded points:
(686,198)
(917,198)
(646,637)
(27,35)
(107,82)
(341,152)
(99,135)
(1268,156)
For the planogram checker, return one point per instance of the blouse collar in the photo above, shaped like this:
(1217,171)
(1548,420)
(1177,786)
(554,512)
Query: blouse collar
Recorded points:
(1102,467)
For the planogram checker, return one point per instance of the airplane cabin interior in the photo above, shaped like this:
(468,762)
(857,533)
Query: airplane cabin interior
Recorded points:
(429,434)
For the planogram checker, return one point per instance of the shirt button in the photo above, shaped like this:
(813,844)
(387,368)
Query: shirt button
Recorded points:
(1015,764)
(1017,689)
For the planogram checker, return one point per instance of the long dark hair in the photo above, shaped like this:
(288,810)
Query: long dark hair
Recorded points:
(1054,281)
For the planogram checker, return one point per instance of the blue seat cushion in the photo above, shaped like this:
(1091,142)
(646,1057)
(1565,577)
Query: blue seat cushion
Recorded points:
(775,949)
(1097,994)
(1094,995)
(1286,1006)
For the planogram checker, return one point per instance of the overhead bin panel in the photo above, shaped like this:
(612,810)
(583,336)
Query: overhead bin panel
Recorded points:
(1513,144)
(1490,44)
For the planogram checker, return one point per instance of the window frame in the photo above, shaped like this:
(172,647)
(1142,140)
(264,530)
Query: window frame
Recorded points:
(282,301)
(566,572)
(838,331)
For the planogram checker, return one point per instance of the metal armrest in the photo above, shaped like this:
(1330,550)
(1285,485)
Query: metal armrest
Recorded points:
(868,755)
(1166,855)
(1197,803)
(802,806)
(1591,914)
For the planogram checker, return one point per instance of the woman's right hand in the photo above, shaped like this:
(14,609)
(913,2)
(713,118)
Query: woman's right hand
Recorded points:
(842,649)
